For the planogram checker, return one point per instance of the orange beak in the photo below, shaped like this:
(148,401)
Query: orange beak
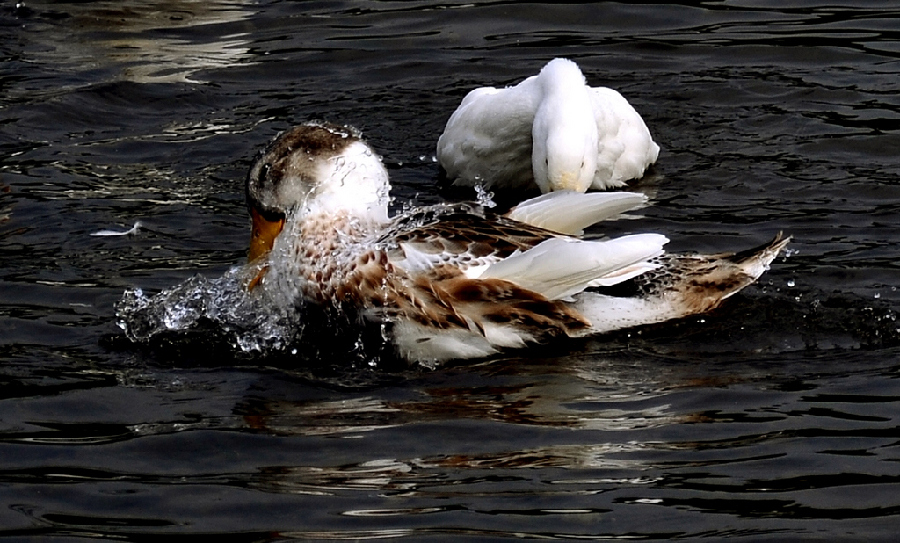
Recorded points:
(263,235)
(262,238)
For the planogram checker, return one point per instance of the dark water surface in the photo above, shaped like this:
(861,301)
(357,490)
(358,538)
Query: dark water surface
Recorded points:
(776,417)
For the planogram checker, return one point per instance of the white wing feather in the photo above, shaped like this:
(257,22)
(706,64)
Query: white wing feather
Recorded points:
(561,267)
(626,147)
(571,212)
(487,140)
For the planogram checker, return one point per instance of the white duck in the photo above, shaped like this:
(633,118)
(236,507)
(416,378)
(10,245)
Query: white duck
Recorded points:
(451,281)
(551,131)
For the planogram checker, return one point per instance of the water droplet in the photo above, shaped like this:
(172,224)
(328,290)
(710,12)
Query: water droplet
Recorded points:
(484,197)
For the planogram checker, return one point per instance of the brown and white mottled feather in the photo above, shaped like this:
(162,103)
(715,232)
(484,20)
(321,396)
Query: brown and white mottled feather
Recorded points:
(453,281)
(682,285)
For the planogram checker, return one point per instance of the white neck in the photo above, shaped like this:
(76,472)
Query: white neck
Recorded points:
(564,132)
(354,182)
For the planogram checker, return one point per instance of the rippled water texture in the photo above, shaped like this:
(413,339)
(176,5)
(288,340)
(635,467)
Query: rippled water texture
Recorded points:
(776,417)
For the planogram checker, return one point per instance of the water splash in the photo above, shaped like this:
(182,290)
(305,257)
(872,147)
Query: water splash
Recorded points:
(252,321)
(271,321)
(484,197)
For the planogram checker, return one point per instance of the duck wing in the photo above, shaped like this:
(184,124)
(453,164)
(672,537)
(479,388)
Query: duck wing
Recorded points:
(570,213)
(626,148)
(487,140)
(456,239)
(681,285)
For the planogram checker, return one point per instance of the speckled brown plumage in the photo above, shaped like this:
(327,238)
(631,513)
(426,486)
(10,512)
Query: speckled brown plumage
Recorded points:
(446,281)
(365,276)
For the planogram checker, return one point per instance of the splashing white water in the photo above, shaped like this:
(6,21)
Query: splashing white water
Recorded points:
(253,320)
(484,197)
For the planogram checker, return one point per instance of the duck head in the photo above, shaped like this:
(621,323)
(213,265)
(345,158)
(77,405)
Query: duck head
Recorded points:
(313,168)
(564,157)
(565,138)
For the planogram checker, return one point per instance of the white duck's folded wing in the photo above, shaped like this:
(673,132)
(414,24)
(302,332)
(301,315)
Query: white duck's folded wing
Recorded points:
(558,268)
(487,140)
(626,147)
(571,212)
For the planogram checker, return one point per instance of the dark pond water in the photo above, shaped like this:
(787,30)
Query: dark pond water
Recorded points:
(776,417)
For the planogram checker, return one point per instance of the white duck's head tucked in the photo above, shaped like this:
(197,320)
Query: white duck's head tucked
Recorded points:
(310,169)
(564,134)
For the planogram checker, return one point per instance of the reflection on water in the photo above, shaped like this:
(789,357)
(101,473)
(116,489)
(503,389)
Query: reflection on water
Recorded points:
(517,446)
(556,402)
(155,42)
